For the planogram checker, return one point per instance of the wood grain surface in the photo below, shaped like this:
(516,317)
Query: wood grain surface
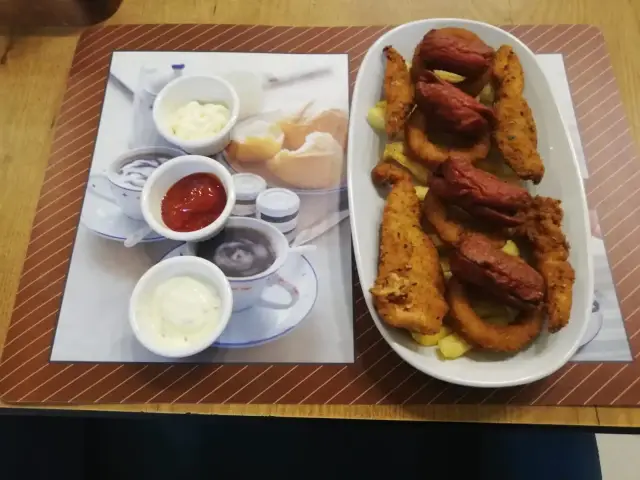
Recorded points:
(33,70)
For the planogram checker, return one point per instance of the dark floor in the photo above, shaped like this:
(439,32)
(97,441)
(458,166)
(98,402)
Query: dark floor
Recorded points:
(193,447)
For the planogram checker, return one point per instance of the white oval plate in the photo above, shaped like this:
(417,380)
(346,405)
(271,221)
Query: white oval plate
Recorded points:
(562,181)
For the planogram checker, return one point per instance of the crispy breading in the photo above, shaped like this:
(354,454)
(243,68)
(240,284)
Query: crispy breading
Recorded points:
(507,70)
(409,290)
(398,91)
(450,224)
(515,133)
(500,338)
(435,214)
(433,150)
(543,227)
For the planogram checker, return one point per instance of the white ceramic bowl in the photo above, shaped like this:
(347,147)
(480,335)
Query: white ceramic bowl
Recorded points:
(195,267)
(562,181)
(165,177)
(202,88)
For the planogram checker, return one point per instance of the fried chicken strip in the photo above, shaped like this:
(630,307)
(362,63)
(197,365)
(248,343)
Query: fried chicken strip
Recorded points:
(409,290)
(543,227)
(398,91)
(515,133)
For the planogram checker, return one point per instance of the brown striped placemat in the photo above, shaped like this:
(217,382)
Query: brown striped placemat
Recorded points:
(378,375)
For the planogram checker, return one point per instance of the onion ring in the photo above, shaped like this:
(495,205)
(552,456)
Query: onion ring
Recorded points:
(447,227)
(432,154)
(435,213)
(498,338)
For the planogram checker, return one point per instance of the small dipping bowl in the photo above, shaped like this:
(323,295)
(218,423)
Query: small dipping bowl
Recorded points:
(197,268)
(167,175)
(204,89)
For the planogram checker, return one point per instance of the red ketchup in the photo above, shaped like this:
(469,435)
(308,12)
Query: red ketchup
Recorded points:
(193,202)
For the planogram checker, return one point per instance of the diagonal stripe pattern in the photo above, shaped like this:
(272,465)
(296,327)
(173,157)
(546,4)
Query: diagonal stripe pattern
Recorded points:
(377,376)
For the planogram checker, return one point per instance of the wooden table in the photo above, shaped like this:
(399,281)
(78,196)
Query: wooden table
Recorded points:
(33,72)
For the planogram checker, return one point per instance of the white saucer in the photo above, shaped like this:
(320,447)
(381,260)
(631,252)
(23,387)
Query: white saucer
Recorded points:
(105,218)
(259,325)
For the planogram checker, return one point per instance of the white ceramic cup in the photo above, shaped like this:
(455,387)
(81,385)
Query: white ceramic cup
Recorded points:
(197,268)
(128,198)
(250,291)
(165,177)
(201,88)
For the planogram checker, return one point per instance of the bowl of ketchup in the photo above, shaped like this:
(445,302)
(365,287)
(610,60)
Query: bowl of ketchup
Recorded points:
(188,198)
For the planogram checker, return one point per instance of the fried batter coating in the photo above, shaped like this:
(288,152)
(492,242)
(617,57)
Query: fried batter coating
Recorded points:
(515,133)
(543,227)
(409,290)
(451,227)
(435,214)
(433,149)
(499,338)
(398,91)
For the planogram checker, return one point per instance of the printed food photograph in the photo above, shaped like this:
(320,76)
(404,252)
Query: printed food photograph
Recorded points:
(474,256)
(215,206)
(302,151)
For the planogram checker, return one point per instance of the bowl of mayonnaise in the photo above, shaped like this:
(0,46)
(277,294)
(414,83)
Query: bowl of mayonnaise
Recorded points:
(197,113)
(180,306)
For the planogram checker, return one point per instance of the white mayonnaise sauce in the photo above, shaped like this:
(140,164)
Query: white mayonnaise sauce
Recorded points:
(195,120)
(179,311)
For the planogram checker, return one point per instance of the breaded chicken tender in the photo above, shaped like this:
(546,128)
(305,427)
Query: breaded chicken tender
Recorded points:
(543,227)
(398,91)
(515,134)
(409,290)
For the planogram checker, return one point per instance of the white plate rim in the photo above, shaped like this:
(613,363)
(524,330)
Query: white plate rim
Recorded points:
(352,155)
